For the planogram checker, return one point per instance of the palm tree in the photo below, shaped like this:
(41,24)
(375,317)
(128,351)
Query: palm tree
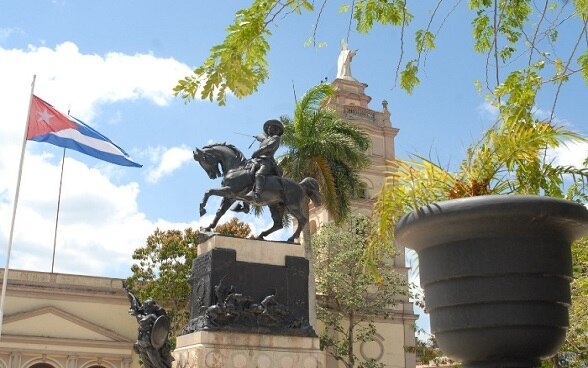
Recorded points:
(510,158)
(321,145)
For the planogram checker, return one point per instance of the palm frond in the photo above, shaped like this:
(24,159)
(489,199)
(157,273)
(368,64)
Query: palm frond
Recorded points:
(323,146)
(509,158)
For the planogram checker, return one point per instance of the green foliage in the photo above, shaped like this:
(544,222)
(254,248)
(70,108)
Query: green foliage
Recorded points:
(424,40)
(576,344)
(350,298)
(583,61)
(477,4)
(560,71)
(408,77)
(483,33)
(574,351)
(239,62)
(323,146)
(368,12)
(161,271)
(510,158)
(425,349)
(503,30)
(162,267)
(581,7)
(520,89)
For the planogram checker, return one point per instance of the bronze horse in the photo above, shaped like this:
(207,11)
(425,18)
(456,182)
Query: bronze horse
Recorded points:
(281,195)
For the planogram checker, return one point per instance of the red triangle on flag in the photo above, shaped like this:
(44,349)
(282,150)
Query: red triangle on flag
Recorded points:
(44,119)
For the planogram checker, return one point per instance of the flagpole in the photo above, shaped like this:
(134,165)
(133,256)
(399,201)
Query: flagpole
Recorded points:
(57,215)
(14,206)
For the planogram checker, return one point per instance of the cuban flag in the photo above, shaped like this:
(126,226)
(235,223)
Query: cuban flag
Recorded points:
(49,125)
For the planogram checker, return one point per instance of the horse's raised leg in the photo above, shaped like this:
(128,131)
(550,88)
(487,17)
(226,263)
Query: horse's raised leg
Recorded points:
(203,203)
(222,192)
(277,212)
(225,205)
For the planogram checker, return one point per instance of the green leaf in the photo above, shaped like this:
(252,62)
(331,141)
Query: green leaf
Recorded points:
(477,4)
(368,12)
(581,7)
(424,40)
(583,62)
(239,63)
(506,52)
(344,287)
(483,33)
(559,71)
(307,6)
(408,77)
(553,35)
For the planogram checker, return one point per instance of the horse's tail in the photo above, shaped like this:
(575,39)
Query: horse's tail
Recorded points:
(312,189)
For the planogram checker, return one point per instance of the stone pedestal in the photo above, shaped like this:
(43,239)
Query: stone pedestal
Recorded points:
(249,308)
(218,349)
(249,285)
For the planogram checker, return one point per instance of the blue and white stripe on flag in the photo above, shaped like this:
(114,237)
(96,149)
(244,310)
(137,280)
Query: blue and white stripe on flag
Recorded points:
(46,124)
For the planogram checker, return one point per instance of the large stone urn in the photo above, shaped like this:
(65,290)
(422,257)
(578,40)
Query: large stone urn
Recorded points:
(496,271)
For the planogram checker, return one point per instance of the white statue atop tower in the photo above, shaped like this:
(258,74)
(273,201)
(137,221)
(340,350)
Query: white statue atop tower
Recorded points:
(344,62)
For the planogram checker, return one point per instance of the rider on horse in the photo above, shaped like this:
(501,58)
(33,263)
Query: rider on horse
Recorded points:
(263,157)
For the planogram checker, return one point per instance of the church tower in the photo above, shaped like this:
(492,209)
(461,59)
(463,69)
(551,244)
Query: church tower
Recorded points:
(351,103)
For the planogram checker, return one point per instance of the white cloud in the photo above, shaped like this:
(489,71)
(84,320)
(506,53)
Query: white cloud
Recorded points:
(572,154)
(169,160)
(100,221)
(488,111)
(69,78)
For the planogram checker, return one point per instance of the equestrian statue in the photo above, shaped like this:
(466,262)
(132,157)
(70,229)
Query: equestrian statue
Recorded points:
(257,181)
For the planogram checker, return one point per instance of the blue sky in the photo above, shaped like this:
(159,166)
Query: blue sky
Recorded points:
(113,64)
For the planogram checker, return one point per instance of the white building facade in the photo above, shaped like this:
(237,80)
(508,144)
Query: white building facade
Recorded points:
(54,320)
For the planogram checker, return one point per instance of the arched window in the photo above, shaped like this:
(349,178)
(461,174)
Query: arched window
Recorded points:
(363,193)
(42,365)
(364,190)
(101,364)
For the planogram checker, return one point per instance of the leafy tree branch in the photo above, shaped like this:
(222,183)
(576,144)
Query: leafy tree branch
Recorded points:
(504,30)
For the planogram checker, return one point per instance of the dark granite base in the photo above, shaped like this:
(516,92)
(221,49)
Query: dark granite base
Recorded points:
(231,295)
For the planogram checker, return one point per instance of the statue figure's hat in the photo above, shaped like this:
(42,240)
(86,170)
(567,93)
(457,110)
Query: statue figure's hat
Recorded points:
(275,123)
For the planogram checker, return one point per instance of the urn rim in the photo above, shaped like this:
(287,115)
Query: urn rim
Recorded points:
(488,215)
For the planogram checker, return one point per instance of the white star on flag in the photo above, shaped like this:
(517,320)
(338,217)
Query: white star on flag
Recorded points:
(45,116)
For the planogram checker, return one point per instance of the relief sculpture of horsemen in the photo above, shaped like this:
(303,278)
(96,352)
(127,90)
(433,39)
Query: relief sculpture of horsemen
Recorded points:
(257,181)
